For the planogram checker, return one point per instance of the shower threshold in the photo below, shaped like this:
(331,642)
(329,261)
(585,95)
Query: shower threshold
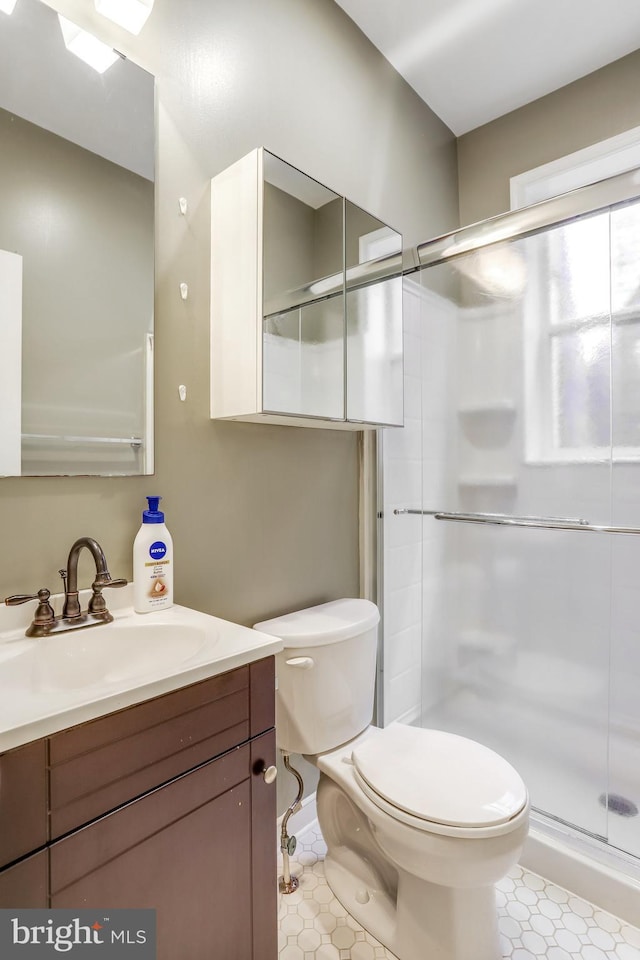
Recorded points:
(589,867)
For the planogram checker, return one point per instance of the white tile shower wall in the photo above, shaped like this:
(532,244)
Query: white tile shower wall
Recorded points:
(402,485)
(439,389)
(415,461)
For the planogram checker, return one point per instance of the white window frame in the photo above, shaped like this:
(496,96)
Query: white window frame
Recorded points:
(598,162)
(605,159)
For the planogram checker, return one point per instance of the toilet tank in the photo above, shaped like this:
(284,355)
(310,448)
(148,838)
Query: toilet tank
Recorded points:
(325,674)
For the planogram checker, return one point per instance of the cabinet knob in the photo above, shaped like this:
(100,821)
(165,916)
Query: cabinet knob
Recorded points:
(269,774)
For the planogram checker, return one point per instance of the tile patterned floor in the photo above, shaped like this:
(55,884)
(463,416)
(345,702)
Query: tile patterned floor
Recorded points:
(537,920)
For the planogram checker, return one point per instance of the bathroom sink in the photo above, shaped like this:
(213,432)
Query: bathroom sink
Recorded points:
(54,682)
(113,653)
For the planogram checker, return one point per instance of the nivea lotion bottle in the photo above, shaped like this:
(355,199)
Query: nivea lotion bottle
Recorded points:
(152,562)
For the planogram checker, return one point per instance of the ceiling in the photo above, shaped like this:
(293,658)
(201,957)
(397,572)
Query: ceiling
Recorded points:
(110,114)
(474,60)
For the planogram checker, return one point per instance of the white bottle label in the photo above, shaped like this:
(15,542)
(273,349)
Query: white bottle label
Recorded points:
(156,573)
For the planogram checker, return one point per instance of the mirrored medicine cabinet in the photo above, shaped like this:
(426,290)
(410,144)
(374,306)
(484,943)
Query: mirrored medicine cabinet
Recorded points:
(306,302)
(76,256)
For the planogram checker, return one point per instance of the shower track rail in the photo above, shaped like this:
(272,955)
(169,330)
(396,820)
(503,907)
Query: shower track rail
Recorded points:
(505,520)
(66,438)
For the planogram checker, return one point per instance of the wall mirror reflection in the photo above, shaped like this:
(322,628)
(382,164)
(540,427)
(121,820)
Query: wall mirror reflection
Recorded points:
(332,295)
(76,255)
(373,260)
(303,284)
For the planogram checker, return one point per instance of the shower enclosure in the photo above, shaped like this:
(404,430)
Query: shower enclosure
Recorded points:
(511,503)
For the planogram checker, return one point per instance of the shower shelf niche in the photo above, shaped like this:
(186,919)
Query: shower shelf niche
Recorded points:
(488,424)
(487,481)
(506,408)
(486,641)
(487,493)
(482,654)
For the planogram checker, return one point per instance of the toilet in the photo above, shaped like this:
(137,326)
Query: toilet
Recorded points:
(419,824)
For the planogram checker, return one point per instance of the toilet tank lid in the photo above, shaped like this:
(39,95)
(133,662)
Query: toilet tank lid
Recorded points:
(324,623)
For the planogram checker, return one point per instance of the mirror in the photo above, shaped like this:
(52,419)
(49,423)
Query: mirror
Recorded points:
(303,294)
(332,304)
(373,258)
(76,256)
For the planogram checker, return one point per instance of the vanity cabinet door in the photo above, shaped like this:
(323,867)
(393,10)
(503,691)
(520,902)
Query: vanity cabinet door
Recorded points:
(263,849)
(25,883)
(23,801)
(185,850)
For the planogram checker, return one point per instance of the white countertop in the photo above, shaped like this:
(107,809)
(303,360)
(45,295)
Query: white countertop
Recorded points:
(31,708)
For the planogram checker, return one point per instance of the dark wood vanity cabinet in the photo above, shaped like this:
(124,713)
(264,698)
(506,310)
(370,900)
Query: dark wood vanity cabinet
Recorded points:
(23,801)
(26,883)
(165,805)
(185,849)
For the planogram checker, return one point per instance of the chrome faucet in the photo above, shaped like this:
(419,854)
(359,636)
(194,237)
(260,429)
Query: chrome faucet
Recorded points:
(45,621)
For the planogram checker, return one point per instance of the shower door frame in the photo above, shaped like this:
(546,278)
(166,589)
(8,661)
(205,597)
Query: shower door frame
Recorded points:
(526,221)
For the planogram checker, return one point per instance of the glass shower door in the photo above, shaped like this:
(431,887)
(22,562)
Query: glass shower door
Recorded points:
(624,787)
(516,415)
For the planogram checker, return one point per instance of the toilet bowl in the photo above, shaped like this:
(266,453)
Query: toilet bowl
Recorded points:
(423,887)
(419,824)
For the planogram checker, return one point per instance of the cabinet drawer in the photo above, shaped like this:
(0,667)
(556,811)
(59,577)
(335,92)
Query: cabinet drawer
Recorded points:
(75,857)
(23,801)
(103,764)
(24,885)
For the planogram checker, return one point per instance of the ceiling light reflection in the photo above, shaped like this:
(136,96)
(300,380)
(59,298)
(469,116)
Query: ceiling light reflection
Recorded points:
(84,45)
(130,14)
(498,271)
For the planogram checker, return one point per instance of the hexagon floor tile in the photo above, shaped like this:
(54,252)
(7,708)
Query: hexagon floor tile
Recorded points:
(537,919)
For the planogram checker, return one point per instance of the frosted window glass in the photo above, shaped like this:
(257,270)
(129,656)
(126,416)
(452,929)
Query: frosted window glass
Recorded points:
(578,270)
(581,389)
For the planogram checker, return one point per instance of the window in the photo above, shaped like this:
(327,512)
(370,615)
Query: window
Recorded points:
(582,321)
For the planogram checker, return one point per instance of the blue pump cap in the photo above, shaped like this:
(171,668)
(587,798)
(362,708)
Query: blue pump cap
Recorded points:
(153,515)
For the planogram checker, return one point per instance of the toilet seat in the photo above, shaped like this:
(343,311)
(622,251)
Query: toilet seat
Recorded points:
(438,781)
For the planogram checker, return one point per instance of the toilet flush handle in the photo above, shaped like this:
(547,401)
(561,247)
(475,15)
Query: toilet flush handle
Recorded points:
(302,663)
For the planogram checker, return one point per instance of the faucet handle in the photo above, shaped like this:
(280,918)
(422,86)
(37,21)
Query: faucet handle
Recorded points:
(44,614)
(42,595)
(97,603)
(104,579)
